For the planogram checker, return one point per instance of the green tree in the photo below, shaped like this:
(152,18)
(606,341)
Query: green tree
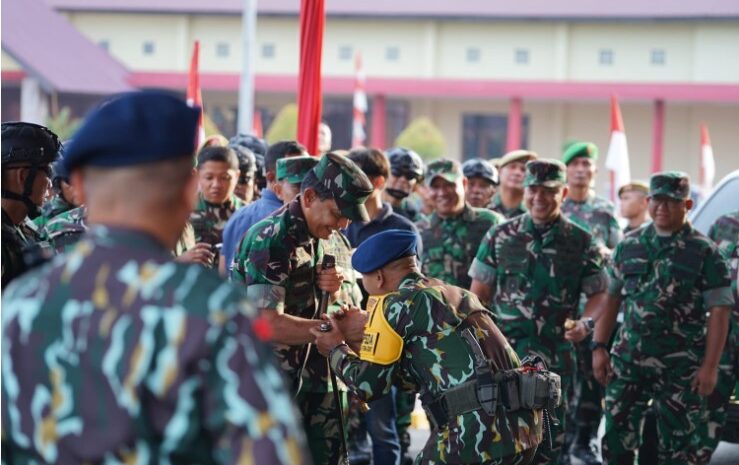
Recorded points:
(285,125)
(424,137)
(63,124)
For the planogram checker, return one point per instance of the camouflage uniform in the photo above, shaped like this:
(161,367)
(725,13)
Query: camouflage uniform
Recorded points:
(429,315)
(667,285)
(595,215)
(496,205)
(54,207)
(15,238)
(277,261)
(450,244)
(113,353)
(64,230)
(208,221)
(725,233)
(537,273)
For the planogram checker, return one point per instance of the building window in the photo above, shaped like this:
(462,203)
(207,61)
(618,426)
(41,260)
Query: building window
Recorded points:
(345,52)
(148,48)
(223,49)
(658,56)
(473,54)
(485,135)
(104,44)
(268,50)
(392,54)
(521,56)
(605,56)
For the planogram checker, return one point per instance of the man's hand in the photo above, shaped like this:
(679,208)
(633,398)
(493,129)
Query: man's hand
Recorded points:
(602,370)
(201,254)
(329,279)
(351,322)
(326,341)
(578,332)
(705,380)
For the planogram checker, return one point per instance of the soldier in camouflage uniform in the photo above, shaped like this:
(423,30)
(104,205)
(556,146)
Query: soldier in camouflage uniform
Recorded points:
(247,173)
(634,204)
(595,215)
(64,198)
(65,229)
(725,233)
(218,173)
(508,200)
(406,171)
(532,270)
(455,228)
(115,354)
(669,276)
(440,341)
(278,262)
(482,179)
(27,151)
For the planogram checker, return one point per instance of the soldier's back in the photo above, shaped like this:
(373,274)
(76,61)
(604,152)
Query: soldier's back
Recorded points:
(114,353)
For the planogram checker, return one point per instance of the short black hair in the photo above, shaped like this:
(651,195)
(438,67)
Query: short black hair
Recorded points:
(218,153)
(281,150)
(373,162)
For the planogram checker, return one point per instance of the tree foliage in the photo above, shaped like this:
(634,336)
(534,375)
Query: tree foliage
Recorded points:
(424,137)
(63,124)
(285,125)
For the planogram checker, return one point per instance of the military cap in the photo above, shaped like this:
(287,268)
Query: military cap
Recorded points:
(294,169)
(382,248)
(134,129)
(634,186)
(545,172)
(348,185)
(516,155)
(482,168)
(449,170)
(674,184)
(404,161)
(247,160)
(580,149)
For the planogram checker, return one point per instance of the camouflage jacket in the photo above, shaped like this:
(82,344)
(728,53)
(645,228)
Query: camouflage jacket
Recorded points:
(209,220)
(64,230)
(595,215)
(496,205)
(56,206)
(427,314)
(115,354)
(408,208)
(276,260)
(668,284)
(537,276)
(186,240)
(450,244)
(15,238)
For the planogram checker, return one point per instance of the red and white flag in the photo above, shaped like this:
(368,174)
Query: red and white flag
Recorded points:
(708,164)
(617,161)
(194,95)
(359,136)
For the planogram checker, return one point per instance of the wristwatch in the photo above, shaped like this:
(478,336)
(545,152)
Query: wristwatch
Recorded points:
(598,345)
(589,323)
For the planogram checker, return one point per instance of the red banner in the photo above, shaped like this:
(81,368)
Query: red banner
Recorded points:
(312,21)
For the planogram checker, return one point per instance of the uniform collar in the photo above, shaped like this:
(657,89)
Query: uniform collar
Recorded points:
(651,238)
(546,234)
(298,223)
(468,214)
(203,204)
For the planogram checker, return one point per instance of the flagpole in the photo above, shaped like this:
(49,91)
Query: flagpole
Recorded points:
(245,124)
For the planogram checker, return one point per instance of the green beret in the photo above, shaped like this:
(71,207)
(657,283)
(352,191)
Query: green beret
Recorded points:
(294,169)
(580,149)
(450,170)
(545,172)
(347,184)
(674,184)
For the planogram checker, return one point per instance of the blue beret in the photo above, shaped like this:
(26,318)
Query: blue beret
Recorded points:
(133,129)
(382,248)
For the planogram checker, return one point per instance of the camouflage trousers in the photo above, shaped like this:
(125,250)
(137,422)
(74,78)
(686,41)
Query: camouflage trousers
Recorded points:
(709,433)
(587,399)
(680,412)
(321,425)
(521,458)
(405,402)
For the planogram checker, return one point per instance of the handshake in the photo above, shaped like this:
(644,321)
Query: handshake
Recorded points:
(343,327)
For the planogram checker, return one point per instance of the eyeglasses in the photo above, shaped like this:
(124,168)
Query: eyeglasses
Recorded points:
(405,174)
(667,201)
